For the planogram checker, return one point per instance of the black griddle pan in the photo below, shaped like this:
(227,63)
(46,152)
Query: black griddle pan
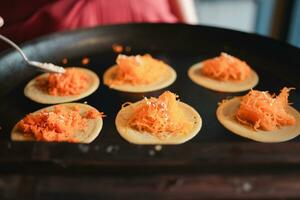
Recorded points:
(214,148)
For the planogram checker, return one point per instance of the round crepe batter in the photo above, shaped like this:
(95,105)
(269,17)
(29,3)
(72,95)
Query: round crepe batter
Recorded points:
(226,116)
(92,130)
(196,76)
(161,82)
(133,136)
(33,92)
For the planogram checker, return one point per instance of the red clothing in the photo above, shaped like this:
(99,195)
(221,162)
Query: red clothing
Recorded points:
(24,20)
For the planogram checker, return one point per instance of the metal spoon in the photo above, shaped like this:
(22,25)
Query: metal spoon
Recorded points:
(44,66)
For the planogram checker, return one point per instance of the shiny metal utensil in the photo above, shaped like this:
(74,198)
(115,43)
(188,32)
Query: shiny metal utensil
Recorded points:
(1,21)
(49,67)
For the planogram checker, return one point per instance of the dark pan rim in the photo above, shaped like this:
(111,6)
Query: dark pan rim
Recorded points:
(129,25)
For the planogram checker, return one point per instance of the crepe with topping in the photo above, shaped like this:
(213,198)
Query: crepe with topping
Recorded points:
(139,74)
(51,88)
(224,73)
(261,116)
(162,120)
(72,122)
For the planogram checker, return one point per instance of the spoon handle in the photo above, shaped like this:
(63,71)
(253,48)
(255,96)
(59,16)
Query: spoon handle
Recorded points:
(5,39)
(44,66)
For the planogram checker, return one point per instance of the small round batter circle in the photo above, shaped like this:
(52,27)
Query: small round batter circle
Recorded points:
(38,95)
(93,129)
(136,137)
(226,116)
(197,77)
(160,83)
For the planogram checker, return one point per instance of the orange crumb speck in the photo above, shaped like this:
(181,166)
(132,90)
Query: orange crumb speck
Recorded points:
(117,48)
(76,108)
(85,61)
(93,114)
(64,61)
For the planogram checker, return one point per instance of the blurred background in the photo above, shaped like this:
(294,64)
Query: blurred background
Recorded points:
(25,20)
(278,19)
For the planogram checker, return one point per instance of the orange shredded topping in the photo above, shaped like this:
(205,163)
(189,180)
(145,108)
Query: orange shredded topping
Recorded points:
(160,117)
(137,70)
(57,125)
(261,110)
(226,68)
(117,48)
(72,82)
(64,61)
(93,114)
(85,61)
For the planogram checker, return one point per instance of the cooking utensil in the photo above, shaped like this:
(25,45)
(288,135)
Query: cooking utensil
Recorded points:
(49,67)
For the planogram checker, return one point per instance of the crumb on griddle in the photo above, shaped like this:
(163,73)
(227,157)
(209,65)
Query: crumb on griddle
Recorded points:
(83,148)
(112,149)
(85,61)
(158,147)
(127,48)
(64,61)
(151,152)
(117,48)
